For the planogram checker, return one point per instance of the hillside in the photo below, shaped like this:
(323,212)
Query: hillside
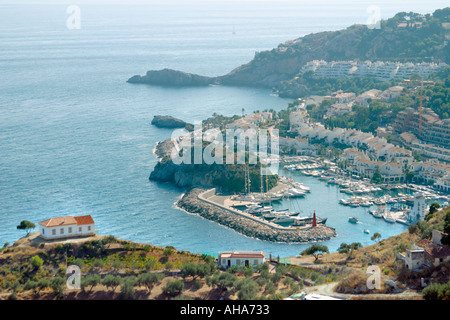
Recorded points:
(406,37)
(117,269)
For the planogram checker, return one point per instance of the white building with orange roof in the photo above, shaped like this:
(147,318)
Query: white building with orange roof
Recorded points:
(241,258)
(66,227)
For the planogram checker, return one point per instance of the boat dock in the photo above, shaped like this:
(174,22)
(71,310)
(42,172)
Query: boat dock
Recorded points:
(214,207)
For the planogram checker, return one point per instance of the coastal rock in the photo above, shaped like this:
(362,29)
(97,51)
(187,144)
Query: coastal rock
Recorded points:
(170,122)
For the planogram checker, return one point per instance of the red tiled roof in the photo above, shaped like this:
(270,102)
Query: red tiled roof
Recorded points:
(68,220)
(60,221)
(423,243)
(84,220)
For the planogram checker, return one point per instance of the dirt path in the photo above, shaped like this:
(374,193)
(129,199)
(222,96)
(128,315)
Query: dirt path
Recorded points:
(329,289)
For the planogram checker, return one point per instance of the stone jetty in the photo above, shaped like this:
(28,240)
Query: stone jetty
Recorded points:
(200,201)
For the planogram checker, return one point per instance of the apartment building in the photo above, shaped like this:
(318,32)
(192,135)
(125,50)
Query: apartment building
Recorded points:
(425,125)
(380,70)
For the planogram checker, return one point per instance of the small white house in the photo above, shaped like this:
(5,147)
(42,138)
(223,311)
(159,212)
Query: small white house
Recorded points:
(241,258)
(66,227)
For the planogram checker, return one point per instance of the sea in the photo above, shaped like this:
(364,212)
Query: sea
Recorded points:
(77,139)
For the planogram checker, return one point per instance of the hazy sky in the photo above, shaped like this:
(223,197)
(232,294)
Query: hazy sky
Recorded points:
(431,3)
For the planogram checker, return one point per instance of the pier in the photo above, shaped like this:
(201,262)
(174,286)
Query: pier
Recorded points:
(214,207)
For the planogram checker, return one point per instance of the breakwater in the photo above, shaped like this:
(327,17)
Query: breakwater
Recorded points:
(198,201)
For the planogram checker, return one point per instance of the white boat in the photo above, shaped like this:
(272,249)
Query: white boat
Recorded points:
(247,197)
(273,214)
(284,219)
(376,213)
(366,231)
(389,218)
(302,221)
(304,188)
(294,192)
(260,210)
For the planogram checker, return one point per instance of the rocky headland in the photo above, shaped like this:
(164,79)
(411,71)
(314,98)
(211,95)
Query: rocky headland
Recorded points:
(278,68)
(169,77)
(171,123)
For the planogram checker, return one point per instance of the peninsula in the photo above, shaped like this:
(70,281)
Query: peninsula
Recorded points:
(404,38)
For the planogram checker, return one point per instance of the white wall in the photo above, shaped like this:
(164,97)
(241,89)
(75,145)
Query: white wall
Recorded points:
(66,231)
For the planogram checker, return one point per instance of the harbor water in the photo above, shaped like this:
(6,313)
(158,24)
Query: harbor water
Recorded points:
(76,138)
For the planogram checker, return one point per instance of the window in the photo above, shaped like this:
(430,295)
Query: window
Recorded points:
(61,231)
(79,229)
(54,232)
(89,228)
(70,229)
(43,231)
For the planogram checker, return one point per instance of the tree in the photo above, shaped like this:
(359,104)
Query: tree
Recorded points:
(349,248)
(26,225)
(223,280)
(111,281)
(173,287)
(376,178)
(316,250)
(150,279)
(446,238)
(247,289)
(90,280)
(433,208)
(375,236)
(127,288)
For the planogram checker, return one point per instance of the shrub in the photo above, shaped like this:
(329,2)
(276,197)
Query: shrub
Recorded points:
(247,289)
(173,287)
(57,285)
(437,291)
(36,262)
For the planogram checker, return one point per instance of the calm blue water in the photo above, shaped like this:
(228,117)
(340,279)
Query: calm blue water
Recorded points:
(76,139)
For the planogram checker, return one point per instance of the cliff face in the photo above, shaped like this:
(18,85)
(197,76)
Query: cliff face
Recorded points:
(227,177)
(186,175)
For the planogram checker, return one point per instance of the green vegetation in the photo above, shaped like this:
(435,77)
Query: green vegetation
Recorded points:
(437,291)
(316,250)
(26,225)
(367,119)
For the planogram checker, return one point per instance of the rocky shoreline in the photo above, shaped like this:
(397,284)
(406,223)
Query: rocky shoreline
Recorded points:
(248,227)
